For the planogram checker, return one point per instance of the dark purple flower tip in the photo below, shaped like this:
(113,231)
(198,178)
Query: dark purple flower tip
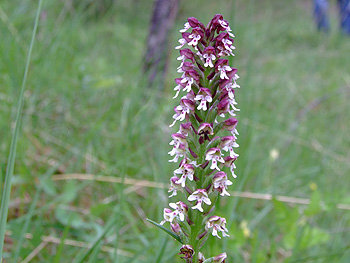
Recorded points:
(204,91)
(230,124)
(193,22)
(224,95)
(178,82)
(198,31)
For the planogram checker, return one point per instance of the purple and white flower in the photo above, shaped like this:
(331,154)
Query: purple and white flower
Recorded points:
(174,187)
(200,195)
(204,96)
(187,171)
(220,183)
(217,224)
(228,143)
(180,208)
(214,155)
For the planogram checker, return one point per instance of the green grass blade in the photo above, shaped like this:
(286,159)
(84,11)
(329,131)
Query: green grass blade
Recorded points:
(172,234)
(97,242)
(12,155)
(161,251)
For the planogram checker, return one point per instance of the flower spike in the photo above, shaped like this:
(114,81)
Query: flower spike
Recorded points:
(205,143)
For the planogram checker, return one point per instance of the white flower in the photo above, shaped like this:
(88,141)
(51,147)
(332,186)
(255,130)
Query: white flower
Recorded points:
(188,81)
(220,183)
(209,60)
(214,154)
(204,95)
(186,171)
(228,143)
(195,38)
(225,25)
(168,215)
(180,208)
(182,42)
(186,27)
(174,187)
(223,69)
(200,195)
(178,152)
(182,110)
(217,223)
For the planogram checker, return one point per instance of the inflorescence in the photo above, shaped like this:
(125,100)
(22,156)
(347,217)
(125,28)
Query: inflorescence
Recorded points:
(205,111)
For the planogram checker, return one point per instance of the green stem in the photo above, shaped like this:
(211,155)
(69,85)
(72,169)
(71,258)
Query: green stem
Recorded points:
(5,200)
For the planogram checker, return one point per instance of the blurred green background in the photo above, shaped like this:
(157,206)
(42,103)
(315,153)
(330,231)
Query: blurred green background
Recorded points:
(89,111)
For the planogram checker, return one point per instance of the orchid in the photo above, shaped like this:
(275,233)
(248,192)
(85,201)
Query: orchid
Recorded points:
(205,112)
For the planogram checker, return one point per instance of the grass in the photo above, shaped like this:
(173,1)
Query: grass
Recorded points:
(88,110)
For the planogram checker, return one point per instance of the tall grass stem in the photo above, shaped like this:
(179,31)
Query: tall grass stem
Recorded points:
(5,199)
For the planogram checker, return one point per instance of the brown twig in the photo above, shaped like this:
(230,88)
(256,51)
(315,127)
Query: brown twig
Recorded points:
(74,243)
(35,252)
(144,183)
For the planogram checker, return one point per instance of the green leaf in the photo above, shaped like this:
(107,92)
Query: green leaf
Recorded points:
(172,234)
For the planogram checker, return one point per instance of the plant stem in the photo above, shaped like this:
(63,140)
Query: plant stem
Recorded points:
(12,155)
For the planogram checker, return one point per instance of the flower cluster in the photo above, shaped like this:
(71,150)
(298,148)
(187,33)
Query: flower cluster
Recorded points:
(206,109)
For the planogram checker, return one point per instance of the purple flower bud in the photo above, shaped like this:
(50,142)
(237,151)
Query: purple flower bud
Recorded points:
(194,22)
(230,124)
(175,227)
(186,53)
(223,107)
(214,22)
(185,128)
